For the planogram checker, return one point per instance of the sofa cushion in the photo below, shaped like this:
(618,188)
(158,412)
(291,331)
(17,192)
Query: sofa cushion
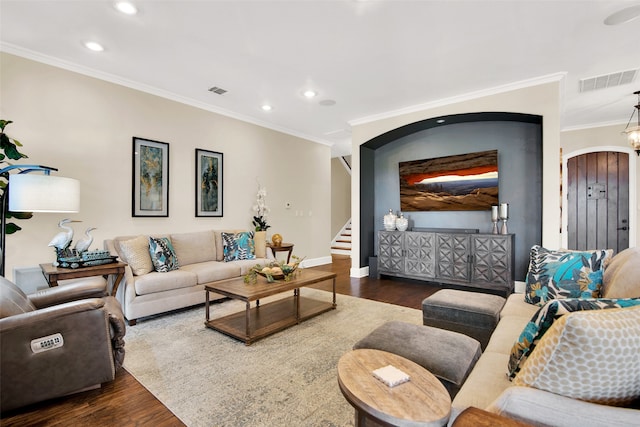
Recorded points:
(556,274)
(157,282)
(211,271)
(162,255)
(485,383)
(622,275)
(136,253)
(191,248)
(544,318)
(238,246)
(588,355)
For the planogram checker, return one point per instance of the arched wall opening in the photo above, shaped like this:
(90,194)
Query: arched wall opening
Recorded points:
(516,136)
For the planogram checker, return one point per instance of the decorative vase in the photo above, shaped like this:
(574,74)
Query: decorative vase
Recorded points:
(504,216)
(494,219)
(402,223)
(390,221)
(276,240)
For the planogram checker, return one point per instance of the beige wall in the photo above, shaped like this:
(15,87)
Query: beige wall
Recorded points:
(608,138)
(340,195)
(84,127)
(542,99)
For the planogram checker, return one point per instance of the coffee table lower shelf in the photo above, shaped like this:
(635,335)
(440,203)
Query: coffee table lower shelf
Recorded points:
(267,319)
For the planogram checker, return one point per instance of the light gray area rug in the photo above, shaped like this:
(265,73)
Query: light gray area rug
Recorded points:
(288,379)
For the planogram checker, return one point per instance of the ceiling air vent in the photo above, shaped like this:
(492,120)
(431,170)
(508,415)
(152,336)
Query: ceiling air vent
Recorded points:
(217,90)
(607,80)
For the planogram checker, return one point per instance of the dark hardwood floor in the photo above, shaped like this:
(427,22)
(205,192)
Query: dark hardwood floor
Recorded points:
(125,402)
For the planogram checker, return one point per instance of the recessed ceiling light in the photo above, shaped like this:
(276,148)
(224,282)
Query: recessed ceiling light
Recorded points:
(310,93)
(94,46)
(440,121)
(623,16)
(267,107)
(126,7)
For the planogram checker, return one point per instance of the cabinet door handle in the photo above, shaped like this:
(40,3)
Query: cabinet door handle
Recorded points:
(622,228)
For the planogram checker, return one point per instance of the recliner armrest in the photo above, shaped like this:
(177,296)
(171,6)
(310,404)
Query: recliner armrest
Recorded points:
(66,293)
(49,314)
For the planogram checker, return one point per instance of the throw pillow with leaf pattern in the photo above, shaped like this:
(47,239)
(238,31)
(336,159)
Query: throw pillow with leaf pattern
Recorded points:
(556,274)
(238,246)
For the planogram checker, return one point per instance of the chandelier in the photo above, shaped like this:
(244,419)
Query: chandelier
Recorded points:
(633,132)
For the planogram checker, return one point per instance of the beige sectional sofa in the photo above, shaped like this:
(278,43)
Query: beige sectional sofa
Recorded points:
(488,386)
(145,292)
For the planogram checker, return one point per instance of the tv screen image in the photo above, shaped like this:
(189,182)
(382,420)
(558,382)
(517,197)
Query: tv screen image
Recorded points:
(463,182)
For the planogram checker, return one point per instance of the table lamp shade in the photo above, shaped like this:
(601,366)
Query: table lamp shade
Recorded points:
(43,193)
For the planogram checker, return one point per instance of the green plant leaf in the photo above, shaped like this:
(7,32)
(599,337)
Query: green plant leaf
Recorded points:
(19,215)
(11,228)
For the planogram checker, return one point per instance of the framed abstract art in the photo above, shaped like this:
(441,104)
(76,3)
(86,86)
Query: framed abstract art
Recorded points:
(209,183)
(150,189)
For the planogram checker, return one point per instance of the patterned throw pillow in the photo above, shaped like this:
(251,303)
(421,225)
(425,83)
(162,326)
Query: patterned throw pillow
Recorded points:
(162,254)
(544,318)
(588,355)
(564,274)
(136,253)
(237,246)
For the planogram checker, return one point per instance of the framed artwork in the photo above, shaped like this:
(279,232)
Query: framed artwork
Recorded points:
(209,183)
(150,190)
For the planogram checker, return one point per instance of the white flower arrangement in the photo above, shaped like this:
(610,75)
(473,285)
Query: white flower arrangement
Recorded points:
(261,210)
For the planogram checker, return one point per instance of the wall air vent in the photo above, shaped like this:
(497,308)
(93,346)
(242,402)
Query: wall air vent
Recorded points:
(217,90)
(607,80)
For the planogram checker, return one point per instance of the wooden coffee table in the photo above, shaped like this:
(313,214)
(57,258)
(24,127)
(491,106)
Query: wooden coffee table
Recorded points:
(263,320)
(422,401)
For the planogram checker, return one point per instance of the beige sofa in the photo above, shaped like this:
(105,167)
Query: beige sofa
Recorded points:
(488,386)
(145,292)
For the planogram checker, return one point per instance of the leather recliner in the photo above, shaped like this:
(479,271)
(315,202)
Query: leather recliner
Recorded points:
(57,341)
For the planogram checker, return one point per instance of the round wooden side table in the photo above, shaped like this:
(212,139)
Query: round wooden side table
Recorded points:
(284,247)
(421,401)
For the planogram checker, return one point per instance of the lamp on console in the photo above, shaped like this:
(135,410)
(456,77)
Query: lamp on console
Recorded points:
(36,193)
(633,132)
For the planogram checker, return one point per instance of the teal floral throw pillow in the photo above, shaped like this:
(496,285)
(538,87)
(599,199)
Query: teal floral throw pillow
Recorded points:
(544,318)
(238,246)
(162,254)
(556,274)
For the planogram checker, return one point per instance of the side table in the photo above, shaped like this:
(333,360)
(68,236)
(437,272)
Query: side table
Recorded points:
(421,401)
(284,247)
(53,274)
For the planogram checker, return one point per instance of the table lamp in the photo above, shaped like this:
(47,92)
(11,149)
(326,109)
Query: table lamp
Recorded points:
(36,193)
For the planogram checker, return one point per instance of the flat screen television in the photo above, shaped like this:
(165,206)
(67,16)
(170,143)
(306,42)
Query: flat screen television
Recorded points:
(463,182)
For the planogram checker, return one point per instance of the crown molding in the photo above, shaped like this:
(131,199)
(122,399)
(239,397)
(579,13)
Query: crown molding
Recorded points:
(112,78)
(522,84)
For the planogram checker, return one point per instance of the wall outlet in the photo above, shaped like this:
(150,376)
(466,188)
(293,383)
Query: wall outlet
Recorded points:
(47,343)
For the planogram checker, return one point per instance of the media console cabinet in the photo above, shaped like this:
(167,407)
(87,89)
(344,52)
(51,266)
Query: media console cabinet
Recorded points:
(461,258)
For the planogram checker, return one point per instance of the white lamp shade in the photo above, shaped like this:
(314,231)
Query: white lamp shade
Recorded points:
(43,193)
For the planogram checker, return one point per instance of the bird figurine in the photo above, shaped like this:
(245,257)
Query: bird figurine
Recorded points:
(62,240)
(84,243)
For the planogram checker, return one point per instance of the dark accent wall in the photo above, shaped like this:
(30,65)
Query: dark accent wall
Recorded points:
(518,139)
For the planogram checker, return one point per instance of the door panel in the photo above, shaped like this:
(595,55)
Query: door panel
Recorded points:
(598,201)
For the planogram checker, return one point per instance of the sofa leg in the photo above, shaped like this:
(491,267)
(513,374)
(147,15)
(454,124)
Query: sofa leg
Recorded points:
(132,322)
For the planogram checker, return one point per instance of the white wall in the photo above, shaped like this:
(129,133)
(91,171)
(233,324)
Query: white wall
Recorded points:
(540,99)
(84,127)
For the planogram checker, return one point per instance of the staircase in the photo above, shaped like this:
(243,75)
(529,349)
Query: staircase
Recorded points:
(341,244)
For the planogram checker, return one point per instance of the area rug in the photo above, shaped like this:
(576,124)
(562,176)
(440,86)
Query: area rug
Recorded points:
(288,379)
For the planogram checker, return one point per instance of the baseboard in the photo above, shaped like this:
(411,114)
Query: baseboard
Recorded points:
(316,261)
(359,272)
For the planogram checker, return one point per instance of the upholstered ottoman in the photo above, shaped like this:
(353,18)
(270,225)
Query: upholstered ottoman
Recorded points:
(471,313)
(448,355)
